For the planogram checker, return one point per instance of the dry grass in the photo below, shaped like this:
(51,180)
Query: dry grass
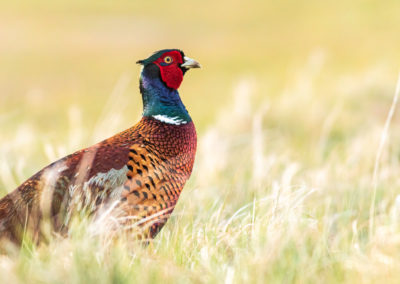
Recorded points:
(296,177)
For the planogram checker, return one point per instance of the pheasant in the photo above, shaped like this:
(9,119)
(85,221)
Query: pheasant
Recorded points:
(134,177)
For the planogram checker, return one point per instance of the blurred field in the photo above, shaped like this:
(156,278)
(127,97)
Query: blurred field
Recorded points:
(290,108)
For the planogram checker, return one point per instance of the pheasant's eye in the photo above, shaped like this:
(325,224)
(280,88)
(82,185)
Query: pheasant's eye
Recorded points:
(168,59)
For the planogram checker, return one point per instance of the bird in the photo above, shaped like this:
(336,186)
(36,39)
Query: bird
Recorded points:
(132,179)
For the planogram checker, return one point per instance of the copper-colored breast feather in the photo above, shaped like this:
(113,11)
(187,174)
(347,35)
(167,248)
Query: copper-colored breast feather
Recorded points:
(157,171)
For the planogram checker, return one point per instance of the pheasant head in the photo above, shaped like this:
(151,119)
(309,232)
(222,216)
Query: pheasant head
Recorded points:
(161,76)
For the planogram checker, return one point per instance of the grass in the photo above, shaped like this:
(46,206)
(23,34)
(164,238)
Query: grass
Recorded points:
(296,175)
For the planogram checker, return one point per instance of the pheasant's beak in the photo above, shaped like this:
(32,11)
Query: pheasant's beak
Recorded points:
(190,63)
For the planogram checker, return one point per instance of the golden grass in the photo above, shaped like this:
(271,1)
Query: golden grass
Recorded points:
(296,176)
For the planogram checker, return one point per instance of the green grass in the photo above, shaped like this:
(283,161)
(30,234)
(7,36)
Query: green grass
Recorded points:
(290,109)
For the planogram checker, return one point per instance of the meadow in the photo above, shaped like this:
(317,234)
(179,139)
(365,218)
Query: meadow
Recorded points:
(296,177)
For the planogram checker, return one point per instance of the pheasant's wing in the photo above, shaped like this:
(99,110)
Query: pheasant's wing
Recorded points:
(77,183)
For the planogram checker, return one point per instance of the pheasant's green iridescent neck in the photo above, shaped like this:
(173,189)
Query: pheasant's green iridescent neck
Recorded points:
(161,102)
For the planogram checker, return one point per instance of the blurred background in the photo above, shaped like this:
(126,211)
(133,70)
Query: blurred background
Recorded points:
(55,54)
(292,98)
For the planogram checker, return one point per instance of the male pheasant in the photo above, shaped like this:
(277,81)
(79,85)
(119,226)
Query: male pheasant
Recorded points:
(134,177)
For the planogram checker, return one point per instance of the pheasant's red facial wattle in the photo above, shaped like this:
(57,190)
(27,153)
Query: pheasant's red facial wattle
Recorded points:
(171,73)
